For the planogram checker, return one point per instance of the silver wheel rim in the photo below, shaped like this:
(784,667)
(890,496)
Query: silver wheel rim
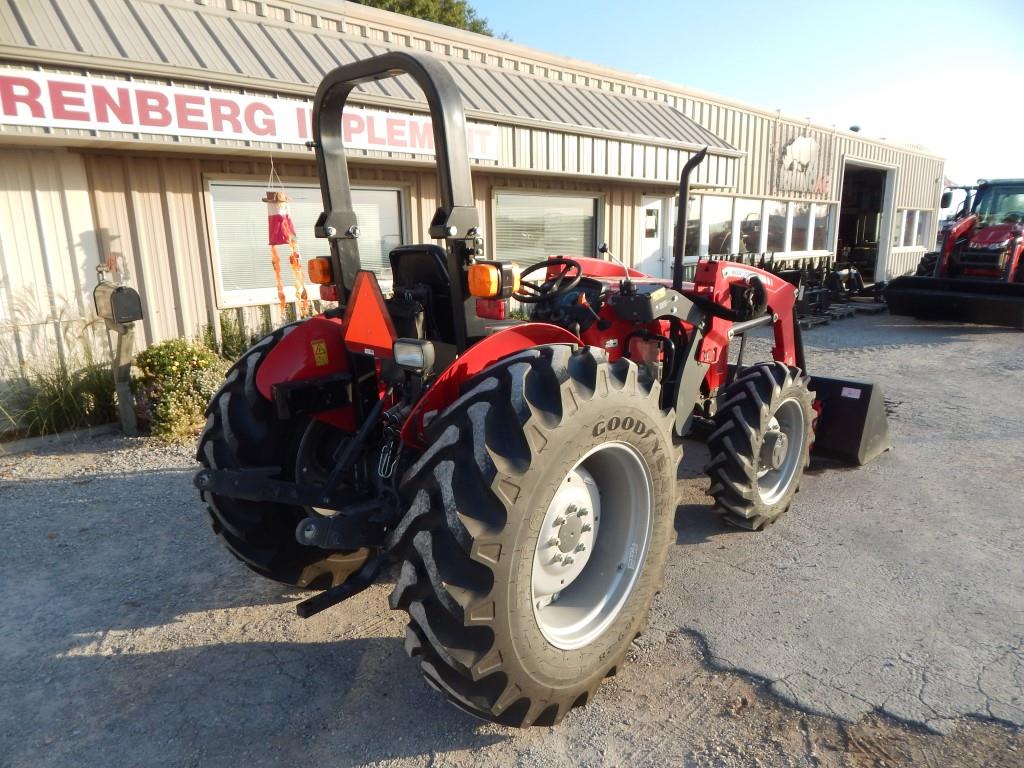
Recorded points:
(781,452)
(592,545)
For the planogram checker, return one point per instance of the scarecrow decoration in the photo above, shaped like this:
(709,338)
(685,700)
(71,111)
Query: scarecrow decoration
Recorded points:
(282,232)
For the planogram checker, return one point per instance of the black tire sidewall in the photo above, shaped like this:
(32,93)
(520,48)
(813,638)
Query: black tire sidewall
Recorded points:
(540,660)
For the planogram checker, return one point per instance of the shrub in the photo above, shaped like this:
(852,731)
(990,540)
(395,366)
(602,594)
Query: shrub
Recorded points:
(173,382)
(235,339)
(55,397)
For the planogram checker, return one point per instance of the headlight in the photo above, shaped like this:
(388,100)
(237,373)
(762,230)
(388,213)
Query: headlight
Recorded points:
(992,246)
(415,355)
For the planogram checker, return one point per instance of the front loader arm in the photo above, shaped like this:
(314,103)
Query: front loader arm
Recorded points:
(716,320)
(714,280)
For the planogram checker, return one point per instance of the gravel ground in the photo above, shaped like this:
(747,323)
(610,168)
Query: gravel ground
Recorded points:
(880,622)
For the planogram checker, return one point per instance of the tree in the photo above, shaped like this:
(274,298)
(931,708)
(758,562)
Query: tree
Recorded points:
(451,13)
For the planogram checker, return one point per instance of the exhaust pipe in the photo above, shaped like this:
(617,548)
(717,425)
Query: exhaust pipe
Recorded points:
(682,206)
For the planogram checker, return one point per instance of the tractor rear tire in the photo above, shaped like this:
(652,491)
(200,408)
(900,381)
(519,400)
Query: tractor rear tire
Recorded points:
(243,431)
(488,528)
(754,472)
(926,267)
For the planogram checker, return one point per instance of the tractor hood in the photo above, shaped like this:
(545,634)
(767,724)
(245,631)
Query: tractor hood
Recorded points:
(993,235)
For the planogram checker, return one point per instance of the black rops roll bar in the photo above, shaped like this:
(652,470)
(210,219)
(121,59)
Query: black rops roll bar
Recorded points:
(456,219)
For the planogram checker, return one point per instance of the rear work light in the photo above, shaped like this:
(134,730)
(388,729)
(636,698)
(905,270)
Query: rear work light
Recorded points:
(492,309)
(415,355)
(320,271)
(493,279)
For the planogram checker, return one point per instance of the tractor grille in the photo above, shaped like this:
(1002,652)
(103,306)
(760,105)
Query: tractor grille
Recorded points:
(983,259)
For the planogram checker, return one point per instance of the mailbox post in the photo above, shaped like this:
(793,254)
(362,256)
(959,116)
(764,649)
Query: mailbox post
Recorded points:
(120,307)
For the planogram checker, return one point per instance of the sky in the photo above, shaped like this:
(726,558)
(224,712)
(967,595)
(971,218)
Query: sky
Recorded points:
(945,75)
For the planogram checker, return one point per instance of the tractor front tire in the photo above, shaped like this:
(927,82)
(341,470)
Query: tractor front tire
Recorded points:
(926,267)
(243,431)
(760,444)
(538,524)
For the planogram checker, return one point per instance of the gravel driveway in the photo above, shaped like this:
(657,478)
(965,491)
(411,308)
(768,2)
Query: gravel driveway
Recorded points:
(881,621)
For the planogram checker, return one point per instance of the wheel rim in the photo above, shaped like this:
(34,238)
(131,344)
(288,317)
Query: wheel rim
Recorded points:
(318,450)
(782,450)
(592,545)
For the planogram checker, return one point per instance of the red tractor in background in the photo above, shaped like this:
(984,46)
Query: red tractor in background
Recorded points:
(517,478)
(977,275)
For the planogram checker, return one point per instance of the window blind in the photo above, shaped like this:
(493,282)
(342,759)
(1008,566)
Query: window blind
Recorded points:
(240,233)
(529,228)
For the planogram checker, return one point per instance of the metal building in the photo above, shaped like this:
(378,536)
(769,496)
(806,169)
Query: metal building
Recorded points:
(139,134)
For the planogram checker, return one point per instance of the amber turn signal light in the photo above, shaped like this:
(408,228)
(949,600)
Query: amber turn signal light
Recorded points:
(320,271)
(493,279)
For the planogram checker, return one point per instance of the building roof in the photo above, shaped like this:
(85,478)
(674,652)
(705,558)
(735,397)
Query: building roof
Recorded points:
(184,40)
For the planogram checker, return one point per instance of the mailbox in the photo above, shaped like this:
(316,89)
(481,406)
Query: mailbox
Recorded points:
(119,304)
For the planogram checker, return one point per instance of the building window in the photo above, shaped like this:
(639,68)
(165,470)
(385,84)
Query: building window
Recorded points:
(748,221)
(897,228)
(529,228)
(692,246)
(822,214)
(923,224)
(239,222)
(801,227)
(910,229)
(718,219)
(775,219)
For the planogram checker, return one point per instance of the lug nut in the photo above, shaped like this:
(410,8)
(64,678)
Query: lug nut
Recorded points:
(581,547)
(586,527)
(568,560)
(582,512)
(558,521)
(557,558)
(553,542)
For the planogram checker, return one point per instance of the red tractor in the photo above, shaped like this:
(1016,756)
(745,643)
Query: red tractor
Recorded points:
(518,479)
(977,275)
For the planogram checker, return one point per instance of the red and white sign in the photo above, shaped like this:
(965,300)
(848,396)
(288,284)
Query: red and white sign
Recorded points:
(92,103)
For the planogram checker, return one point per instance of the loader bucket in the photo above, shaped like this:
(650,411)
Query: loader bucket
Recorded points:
(989,302)
(852,426)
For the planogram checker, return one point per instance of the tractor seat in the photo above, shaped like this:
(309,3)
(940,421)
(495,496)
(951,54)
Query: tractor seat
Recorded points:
(421,306)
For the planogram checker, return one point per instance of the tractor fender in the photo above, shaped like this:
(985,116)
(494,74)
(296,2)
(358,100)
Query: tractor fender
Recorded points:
(447,387)
(310,349)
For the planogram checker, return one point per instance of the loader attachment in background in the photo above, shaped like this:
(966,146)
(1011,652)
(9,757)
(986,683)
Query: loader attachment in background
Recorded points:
(988,302)
(852,426)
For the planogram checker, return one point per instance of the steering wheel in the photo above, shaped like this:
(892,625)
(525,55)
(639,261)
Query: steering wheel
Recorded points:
(1016,216)
(567,278)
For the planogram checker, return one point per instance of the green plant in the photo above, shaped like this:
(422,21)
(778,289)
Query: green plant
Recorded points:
(235,339)
(173,381)
(55,397)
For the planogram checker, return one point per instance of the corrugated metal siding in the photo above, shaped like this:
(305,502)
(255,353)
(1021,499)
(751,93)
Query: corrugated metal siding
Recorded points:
(150,217)
(919,179)
(207,42)
(903,261)
(48,257)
